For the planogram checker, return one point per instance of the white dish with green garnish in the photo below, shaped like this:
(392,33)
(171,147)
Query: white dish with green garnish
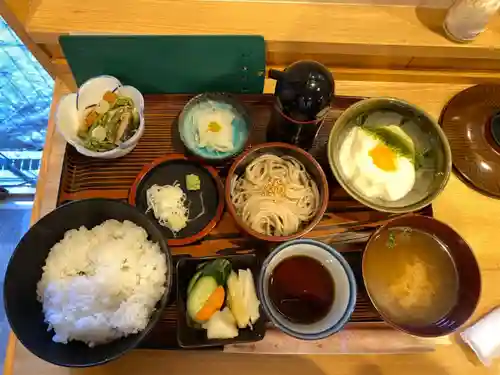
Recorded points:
(389,155)
(103,119)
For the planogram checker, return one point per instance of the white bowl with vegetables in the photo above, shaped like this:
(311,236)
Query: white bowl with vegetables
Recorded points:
(103,119)
(217,301)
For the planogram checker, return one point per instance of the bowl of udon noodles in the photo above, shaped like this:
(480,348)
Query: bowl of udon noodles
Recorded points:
(276,192)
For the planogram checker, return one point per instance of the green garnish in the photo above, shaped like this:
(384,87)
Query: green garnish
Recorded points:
(219,269)
(420,157)
(360,120)
(394,138)
(391,241)
(407,233)
(193,182)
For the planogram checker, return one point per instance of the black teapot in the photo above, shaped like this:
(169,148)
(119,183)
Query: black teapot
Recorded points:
(304,92)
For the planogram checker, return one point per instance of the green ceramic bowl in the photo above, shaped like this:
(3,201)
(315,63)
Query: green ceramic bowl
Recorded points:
(431,146)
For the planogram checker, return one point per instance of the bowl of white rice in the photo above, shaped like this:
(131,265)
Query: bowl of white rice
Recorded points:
(87,282)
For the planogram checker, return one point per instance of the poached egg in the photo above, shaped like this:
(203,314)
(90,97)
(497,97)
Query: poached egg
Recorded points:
(214,128)
(373,168)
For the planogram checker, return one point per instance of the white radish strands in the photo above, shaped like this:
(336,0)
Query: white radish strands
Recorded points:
(169,206)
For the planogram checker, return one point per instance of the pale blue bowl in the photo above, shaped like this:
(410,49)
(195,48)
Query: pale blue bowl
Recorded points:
(241,125)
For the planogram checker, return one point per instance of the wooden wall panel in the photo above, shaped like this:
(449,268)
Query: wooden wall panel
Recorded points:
(454,64)
(15,13)
(355,61)
(54,51)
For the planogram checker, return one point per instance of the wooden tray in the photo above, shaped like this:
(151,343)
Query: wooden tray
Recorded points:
(347,224)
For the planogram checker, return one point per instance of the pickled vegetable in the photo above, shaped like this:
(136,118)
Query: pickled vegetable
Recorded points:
(221,325)
(214,303)
(112,121)
(242,298)
(200,293)
(193,182)
(206,289)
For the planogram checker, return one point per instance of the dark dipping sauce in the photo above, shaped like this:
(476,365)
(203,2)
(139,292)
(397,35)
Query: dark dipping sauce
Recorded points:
(302,289)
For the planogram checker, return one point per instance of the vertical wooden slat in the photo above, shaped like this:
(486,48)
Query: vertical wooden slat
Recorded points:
(20,8)
(15,12)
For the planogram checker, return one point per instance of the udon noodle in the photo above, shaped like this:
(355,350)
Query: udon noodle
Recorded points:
(275,195)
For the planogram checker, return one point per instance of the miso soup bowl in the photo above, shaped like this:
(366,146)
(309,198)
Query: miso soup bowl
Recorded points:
(466,265)
(344,289)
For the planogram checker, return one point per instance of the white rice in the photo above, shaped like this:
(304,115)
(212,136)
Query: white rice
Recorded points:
(101,284)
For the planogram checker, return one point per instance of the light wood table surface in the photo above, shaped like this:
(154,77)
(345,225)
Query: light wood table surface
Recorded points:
(318,26)
(474,216)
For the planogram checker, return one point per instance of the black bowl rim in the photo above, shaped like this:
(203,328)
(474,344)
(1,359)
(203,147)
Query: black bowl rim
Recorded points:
(149,169)
(156,313)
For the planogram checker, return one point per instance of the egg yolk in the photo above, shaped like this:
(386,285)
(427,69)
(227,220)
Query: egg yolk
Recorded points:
(214,127)
(383,157)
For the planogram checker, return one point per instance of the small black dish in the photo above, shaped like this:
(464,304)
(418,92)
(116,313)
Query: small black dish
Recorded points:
(189,337)
(169,169)
(22,308)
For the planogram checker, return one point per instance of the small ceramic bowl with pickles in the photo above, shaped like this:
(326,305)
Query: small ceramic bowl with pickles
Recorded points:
(389,155)
(104,119)
(209,313)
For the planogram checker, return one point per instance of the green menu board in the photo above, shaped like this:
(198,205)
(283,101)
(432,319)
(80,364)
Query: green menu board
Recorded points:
(170,64)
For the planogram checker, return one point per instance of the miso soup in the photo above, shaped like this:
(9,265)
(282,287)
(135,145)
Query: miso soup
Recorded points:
(410,276)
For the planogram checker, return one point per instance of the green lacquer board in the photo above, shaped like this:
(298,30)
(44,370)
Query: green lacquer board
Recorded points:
(170,64)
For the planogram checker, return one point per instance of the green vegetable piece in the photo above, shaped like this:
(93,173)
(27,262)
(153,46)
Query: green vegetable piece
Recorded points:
(113,122)
(204,282)
(193,281)
(123,101)
(135,119)
(193,182)
(201,265)
(394,138)
(391,241)
(420,157)
(219,269)
(120,120)
(202,289)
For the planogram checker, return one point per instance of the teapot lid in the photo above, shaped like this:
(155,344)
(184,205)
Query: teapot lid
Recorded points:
(471,121)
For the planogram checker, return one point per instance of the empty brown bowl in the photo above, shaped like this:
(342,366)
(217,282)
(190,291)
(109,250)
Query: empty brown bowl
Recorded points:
(279,149)
(421,276)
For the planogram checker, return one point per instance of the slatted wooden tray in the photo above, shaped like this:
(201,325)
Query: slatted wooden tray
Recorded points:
(347,224)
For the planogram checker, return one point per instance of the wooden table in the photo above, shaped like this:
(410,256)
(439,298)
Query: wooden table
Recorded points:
(361,39)
(474,216)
